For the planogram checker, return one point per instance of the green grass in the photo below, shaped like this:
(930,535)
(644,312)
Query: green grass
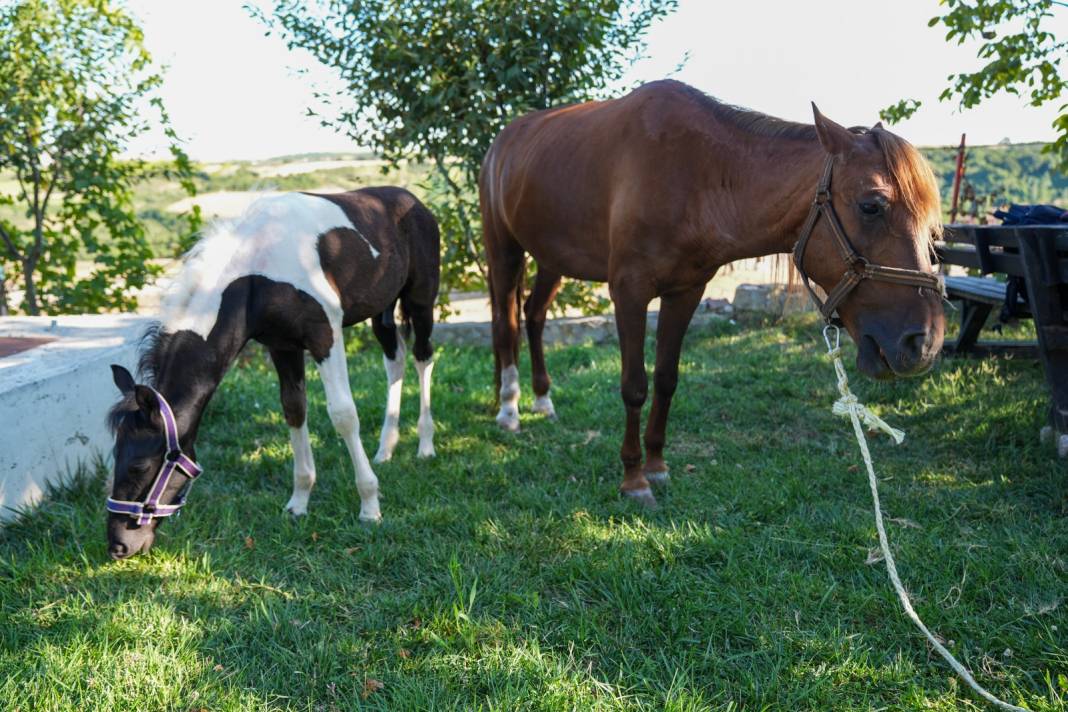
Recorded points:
(509,575)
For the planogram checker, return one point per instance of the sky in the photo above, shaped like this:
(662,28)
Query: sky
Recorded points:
(234,93)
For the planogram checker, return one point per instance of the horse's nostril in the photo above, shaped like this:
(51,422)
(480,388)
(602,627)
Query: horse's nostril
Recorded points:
(118,550)
(914,343)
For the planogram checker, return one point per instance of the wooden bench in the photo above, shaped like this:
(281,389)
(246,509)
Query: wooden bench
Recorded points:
(1039,256)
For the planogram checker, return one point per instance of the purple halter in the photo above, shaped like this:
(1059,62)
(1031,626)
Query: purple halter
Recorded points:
(174,459)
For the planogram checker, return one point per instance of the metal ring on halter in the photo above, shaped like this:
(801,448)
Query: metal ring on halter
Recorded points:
(837,336)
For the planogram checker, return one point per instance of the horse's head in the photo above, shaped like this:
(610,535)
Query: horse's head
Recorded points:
(886,199)
(141,455)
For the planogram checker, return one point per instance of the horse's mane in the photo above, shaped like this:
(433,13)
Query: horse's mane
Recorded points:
(912,179)
(752,122)
(910,174)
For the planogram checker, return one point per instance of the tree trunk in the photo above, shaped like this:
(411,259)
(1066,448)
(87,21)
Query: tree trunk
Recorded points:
(31,289)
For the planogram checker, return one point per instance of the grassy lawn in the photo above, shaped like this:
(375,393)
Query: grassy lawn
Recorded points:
(509,575)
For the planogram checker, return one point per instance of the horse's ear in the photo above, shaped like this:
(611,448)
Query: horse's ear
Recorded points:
(836,139)
(124,380)
(146,400)
(878,125)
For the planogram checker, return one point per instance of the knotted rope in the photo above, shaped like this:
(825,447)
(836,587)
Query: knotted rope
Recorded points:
(847,406)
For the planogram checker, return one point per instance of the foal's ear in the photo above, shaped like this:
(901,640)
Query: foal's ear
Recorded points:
(123,379)
(836,139)
(146,400)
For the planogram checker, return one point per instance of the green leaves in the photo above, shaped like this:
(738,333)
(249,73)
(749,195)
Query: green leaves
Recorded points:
(1021,57)
(76,86)
(437,80)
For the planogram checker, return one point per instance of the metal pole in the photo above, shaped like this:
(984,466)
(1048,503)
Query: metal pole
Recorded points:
(958,176)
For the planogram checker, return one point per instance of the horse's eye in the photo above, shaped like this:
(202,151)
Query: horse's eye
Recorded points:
(869,208)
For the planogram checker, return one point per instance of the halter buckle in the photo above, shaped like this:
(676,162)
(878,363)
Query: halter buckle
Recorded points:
(172,455)
(822,196)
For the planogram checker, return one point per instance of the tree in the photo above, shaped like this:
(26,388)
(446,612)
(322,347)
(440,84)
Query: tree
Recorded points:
(1022,57)
(436,80)
(76,84)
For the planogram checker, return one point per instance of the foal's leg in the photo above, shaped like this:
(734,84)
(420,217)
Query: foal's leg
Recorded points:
(505,258)
(335,376)
(676,310)
(546,285)
(631,299)
(385,330)
(290,367)
(422,318)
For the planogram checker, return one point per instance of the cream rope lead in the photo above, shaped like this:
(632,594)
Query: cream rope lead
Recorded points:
(847,406)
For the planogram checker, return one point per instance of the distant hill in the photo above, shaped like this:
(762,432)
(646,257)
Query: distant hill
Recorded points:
(1016,173)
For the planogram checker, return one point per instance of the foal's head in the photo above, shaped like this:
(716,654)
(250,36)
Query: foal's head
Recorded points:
(140,447)
(887,200)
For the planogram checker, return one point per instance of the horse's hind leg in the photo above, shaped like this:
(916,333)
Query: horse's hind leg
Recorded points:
(546,285)
(676,310)
(290,367)
(505,257)
(385,330)
(335,376)
(422,320)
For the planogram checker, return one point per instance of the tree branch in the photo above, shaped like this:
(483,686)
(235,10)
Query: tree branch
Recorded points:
(11,249)
(458,192)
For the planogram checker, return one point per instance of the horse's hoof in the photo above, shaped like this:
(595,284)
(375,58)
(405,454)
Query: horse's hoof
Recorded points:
(368,519)
(1045,435)
(643,496)
(658,478)
(381,457)
(543,405)
(508,422)
(425,452)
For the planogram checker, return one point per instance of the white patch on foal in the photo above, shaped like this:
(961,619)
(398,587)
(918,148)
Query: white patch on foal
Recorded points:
(303,470)
(335,376)
(394,385)
(277,238)
(508,417)
(426,421)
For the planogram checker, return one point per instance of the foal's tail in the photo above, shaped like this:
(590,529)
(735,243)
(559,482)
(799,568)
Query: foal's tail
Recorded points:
(406,319)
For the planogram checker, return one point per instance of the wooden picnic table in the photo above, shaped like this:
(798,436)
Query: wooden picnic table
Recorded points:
(1034,262)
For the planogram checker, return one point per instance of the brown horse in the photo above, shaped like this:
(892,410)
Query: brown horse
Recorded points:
(655,191)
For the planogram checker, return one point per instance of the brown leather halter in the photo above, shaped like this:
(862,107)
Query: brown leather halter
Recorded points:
(857,268)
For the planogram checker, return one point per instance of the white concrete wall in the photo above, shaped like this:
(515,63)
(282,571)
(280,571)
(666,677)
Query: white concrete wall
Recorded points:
(54,399)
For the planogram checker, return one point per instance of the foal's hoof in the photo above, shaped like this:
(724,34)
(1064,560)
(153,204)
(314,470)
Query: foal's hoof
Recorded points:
(643,496)
(297,509)
(370,519)
(382,456)
(658,478)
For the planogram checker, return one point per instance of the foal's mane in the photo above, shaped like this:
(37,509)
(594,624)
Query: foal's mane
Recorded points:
(150,350)
(911,176)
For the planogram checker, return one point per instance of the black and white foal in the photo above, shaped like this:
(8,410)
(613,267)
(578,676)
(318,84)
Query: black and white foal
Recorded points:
(289,274)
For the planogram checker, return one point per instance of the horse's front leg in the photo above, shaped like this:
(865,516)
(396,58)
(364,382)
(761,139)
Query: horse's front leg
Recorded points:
(631,299)
(335,376)
(290,367)
(676,310)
